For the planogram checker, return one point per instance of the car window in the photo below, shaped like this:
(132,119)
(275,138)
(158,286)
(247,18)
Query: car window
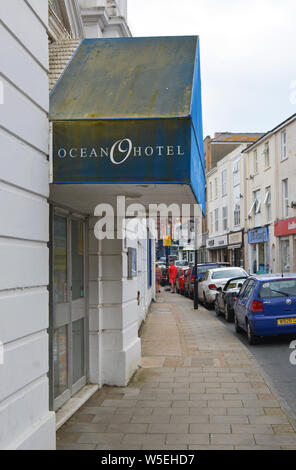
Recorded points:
(203,276)
(227,273)
(280,288)
(233,284)
(248,289)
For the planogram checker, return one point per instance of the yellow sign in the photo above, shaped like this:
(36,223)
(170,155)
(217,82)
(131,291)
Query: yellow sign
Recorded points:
(167,241)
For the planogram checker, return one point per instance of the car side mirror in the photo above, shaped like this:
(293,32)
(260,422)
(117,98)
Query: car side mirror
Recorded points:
(239,285)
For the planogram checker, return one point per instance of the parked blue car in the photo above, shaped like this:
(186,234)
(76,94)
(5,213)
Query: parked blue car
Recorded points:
(266,305)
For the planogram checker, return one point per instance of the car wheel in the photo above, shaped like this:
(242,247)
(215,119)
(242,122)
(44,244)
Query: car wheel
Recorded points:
(252,338)
(206,305)
(238,329)
(228,314)
(217,310)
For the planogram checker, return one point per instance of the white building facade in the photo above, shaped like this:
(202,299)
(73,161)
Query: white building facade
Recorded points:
(270,196)
(70,310)
(25,419)
(225,209)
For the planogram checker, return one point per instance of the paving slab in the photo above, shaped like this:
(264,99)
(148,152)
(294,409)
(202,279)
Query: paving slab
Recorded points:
(198,388)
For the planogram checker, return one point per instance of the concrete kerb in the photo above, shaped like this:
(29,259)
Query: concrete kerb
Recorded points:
(283,403)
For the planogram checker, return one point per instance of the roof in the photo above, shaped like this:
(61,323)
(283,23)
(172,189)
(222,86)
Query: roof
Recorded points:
(268,133)
(60,53)
(226,268)
(231,137)
(127,78)
(273,276)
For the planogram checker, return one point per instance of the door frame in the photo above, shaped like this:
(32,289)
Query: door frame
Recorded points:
(69,214)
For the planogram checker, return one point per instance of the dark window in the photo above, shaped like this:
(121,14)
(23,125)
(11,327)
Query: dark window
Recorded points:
(280,288)
(248,290)
(227,273)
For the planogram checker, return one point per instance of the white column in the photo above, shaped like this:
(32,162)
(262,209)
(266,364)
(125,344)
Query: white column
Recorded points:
(114,345)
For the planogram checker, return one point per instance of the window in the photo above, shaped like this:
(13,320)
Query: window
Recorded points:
(285,198)
(285,256)
(224,183)
(257,198)
(236,205)
(267,202)
(237,214)
(248,289)
(236,174)
(277,289)
(224,216)
(211,222)
(228,273)
(255,157)
(266,155)
(284,144)
(256,207)
(216,188)
(216,221)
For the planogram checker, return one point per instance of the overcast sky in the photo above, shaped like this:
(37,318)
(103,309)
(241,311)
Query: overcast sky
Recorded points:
(248,56)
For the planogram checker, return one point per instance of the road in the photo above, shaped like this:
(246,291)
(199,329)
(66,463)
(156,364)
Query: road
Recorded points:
(273,355)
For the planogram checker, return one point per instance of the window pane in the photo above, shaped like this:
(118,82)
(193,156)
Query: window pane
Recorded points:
(285,255)
(78,349)
(60,361)
(227,274)
(60,259)
(77,259)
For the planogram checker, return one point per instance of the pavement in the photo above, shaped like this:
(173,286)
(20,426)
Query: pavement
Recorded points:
(198,388)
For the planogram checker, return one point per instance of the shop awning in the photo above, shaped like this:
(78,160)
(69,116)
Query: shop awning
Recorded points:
(128,111)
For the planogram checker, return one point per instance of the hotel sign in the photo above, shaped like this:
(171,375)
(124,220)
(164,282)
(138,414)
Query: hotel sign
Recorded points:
(121,151)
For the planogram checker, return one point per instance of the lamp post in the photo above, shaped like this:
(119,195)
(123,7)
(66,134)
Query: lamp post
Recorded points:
(195,298)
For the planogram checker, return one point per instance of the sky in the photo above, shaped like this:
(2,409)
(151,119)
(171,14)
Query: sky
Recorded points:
(248,50)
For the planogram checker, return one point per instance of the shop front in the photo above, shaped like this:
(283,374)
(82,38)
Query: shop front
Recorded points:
(259,251)
(126,125)
(285,233)
(235,247)
(217,249)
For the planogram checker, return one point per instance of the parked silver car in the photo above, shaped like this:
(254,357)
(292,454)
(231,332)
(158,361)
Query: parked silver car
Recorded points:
(214,278)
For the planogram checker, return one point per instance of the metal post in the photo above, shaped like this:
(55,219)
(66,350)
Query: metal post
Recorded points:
(195,283)
(167,261)
(195,298)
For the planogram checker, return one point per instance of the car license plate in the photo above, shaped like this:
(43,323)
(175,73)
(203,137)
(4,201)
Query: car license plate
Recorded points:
(286,321)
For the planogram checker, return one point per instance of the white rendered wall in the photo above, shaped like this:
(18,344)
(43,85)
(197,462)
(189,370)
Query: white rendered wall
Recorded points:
(25,420)
(114,313)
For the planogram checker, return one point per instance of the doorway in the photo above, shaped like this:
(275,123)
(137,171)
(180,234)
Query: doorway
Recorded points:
(68,318)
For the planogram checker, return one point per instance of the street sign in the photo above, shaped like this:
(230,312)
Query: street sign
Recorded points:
(167,240)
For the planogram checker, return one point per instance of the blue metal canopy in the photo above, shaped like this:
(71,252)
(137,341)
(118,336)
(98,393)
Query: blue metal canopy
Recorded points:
(128,110)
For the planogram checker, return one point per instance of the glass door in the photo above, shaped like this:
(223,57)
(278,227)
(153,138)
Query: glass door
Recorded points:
(68,308)
(78,304)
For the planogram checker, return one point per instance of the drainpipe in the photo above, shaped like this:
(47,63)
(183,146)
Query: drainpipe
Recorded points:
(50,152)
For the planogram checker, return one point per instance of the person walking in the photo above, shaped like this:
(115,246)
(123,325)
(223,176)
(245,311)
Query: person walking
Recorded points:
(158,275)
(172,275)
